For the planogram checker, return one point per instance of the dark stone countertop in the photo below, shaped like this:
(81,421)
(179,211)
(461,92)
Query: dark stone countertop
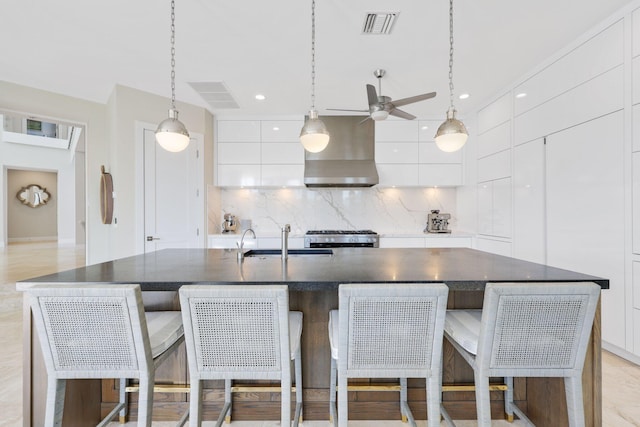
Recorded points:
(461,269)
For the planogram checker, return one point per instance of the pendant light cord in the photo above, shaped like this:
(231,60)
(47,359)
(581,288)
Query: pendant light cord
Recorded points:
(173,55)
(313,54)
(451,53)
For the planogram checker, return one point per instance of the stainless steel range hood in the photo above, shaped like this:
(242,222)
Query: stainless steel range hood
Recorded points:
(348,160)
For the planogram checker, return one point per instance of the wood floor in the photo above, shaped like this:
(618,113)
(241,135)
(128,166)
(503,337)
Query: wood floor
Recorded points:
(621,379)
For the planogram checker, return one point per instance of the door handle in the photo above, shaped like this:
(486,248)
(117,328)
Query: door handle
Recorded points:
(151,238)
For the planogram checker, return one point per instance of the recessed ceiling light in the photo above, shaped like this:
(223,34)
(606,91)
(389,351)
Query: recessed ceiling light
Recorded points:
(276,128)
(521,95)
(425,127)
(464,96)
(260,97)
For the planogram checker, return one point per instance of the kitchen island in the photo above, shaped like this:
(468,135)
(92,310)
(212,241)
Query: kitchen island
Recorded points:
(313,281)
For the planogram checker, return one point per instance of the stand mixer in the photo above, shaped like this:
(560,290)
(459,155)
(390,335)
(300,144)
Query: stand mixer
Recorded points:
(230,223)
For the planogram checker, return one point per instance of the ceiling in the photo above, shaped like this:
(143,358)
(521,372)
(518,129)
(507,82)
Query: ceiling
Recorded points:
(83,48)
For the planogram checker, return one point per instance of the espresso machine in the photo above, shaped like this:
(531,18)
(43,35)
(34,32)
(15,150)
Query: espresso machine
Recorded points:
(438,222)
(230,223)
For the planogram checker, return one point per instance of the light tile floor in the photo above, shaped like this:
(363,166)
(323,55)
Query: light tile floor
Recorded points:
(621,379)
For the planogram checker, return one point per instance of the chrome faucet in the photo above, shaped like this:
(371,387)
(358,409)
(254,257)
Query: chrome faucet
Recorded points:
(285,241)
(241,243)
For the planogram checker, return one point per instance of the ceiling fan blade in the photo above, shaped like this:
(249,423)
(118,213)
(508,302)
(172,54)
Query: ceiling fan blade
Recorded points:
(401,114)
(343,109)
(372,96)
(412,99)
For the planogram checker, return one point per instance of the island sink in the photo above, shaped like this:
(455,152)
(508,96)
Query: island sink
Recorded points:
(292,252)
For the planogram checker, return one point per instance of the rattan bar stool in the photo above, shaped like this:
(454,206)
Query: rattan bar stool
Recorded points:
(90,331)
(237,332)
(526,330)
(388,331)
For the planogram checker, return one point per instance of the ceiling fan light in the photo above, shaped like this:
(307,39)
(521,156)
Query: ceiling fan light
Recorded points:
(172,135)
(314,135)
(380,115)
(452,134)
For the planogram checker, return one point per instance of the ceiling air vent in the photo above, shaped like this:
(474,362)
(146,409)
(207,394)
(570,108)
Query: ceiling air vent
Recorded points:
(379,23)
(215,94)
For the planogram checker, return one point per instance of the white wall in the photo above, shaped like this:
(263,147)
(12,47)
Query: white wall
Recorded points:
(18,156)
(110,141)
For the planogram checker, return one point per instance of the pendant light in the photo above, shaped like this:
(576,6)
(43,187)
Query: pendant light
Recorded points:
(314,135)
(451,134)
(171,134)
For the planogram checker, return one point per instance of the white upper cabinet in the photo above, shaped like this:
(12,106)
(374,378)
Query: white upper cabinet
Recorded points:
(601,53)
(635,43)
(397,152)
(495,140)
(495,166)
(255,153)
(238,130)
(406,155)
(494,114)
(594,98)
(281,130)
(396,131)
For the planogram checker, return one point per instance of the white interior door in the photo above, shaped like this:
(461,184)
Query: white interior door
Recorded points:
(173,196)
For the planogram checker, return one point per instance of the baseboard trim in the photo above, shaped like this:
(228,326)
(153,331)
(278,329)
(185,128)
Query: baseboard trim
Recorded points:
(621,352)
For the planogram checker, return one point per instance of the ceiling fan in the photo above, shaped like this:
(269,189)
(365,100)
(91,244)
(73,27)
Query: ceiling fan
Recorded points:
(381,106)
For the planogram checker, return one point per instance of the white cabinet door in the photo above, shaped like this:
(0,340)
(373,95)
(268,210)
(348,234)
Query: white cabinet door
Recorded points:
(494,208)
(239,153)
(396,130)
(636,203)
(281,130)
(485,208)
(398,175)
(585,210)
(239,175)
(402,242)
(529,201)
(396,152)
(502,207)
(238,130)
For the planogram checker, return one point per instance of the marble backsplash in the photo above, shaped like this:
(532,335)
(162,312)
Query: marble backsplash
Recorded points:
(384,210)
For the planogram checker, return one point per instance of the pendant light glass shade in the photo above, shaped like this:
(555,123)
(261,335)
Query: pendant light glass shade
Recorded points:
(452,134)
(171,134)
(314,135)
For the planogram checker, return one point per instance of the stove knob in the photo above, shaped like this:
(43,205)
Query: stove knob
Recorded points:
(352,240)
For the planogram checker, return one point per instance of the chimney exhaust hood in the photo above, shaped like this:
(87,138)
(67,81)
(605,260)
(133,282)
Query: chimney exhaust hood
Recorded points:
(348,160)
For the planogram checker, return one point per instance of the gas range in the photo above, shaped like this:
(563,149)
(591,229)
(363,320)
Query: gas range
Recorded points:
(341,239)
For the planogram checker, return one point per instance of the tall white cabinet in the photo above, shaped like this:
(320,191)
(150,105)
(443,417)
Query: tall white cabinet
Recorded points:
(554,149)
